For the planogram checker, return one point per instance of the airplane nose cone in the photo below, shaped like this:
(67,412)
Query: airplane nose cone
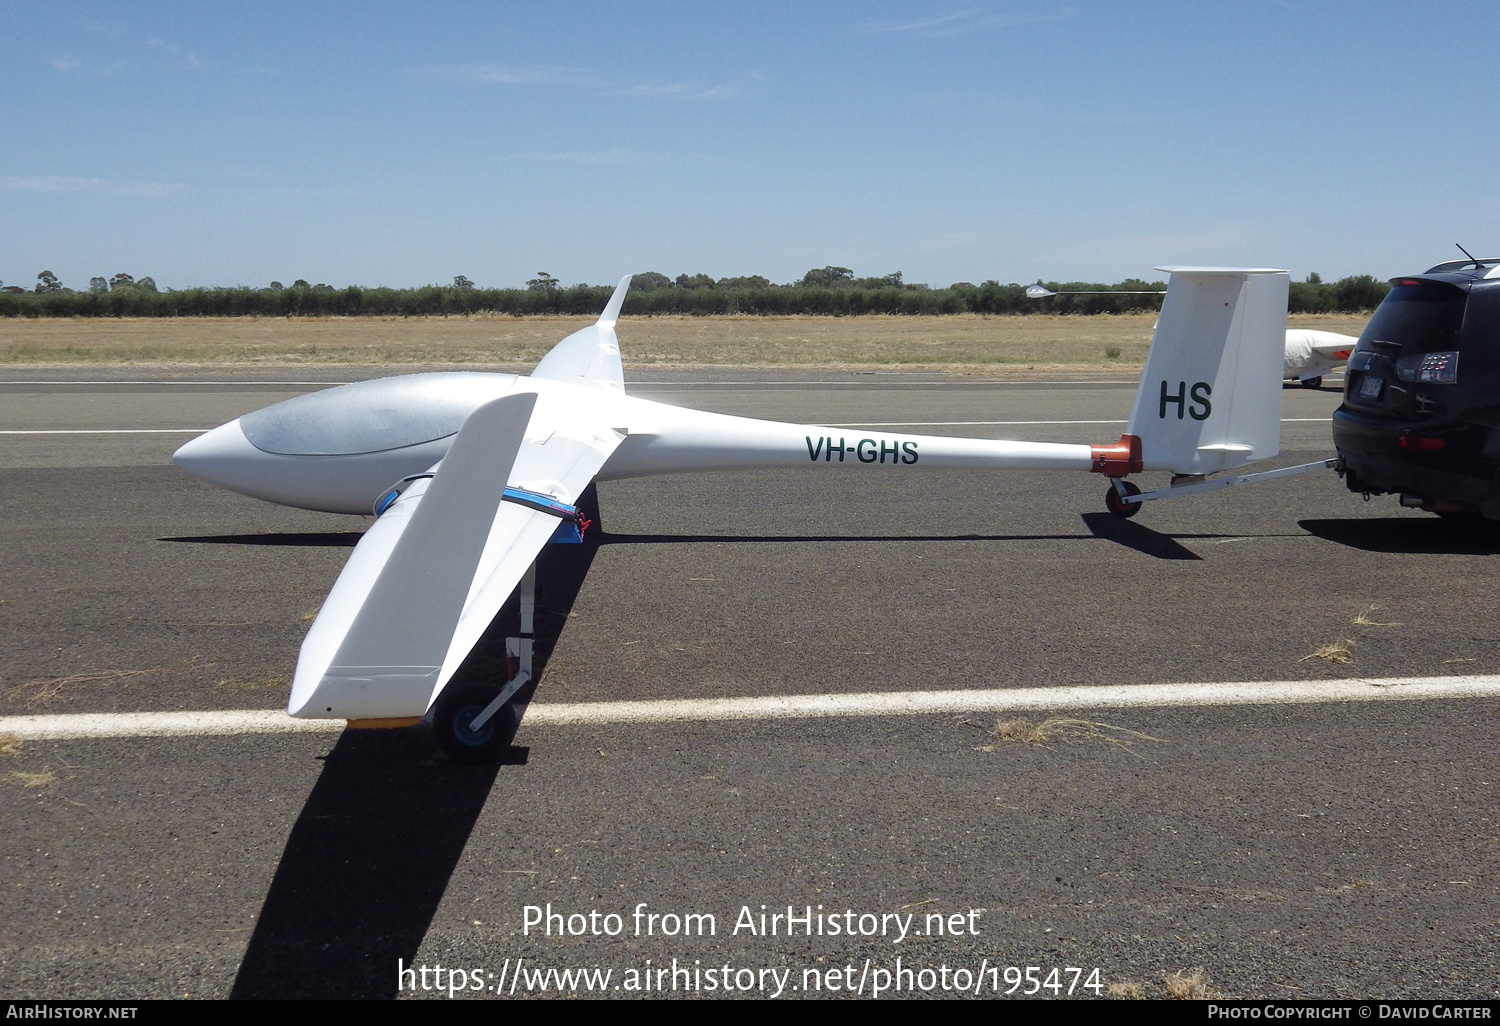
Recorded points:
(223,456)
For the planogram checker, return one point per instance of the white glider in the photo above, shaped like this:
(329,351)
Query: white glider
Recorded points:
(470,475)
(1310,354)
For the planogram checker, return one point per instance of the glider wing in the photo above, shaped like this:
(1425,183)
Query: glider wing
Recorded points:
(442,558)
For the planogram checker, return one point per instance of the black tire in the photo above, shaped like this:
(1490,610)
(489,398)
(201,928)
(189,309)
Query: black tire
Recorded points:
(1316,382)
(456,708)
(1122,509)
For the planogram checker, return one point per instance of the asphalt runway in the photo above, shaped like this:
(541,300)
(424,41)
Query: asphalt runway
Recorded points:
(1342,849)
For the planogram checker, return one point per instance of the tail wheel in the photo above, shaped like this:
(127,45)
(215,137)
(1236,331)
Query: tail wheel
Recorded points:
(457,708)
(1113,503)
(1316,382)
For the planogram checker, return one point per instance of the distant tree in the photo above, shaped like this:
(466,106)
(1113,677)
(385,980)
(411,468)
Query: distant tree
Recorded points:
(146,284)
(301,283)
(828,276)
(694,281)
(753,281)
(120,280)
(650,280)
(98,285)
(47,282)
(460,282)
(1315,278)
(1359,292)
(543,282)
(276,286)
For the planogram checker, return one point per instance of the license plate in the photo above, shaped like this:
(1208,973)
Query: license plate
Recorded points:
(1371,387)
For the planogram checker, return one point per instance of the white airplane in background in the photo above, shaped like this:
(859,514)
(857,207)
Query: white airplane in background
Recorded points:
(470,475)
(1309,353)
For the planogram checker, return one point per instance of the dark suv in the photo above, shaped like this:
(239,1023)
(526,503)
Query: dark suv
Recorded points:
(1421,411)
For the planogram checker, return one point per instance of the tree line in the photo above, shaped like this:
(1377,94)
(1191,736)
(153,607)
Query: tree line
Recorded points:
(827,291)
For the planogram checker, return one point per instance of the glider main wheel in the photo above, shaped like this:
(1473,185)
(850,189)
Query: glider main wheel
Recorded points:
(1316,382)
(456,709)
(1122,509)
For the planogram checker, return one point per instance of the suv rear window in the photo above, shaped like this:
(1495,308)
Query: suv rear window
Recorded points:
(1422,318)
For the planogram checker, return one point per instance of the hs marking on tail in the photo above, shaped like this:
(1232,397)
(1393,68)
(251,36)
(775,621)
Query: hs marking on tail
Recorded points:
(1200,393)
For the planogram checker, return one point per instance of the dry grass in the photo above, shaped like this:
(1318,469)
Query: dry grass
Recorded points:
(1341,651)
(41,779)
(1363,620)
(45,689)
(1061,729)
(9,744)
(1188,985)
(1127,990)
(254,682)
(964,342)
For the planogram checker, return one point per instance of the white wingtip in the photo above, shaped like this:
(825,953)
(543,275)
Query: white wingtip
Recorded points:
(611,312)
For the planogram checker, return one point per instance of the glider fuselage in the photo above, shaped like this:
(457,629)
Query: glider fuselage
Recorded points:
(337,449)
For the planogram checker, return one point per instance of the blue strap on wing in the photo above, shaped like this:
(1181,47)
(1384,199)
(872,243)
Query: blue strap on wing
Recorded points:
(574,523)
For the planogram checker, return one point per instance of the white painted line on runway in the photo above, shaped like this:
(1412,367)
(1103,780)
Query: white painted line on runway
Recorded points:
(872,424)
(904,384)
(629,384)
(1023,423)
(1114,696)
(217,384)
(968,423)
(161,724)
(890,703)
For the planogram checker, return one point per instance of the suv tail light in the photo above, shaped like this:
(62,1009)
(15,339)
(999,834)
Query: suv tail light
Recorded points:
(1419,442)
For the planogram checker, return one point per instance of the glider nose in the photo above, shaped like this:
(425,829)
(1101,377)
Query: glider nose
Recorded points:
(223,456)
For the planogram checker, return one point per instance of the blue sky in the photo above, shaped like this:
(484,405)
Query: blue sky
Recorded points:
(404,144)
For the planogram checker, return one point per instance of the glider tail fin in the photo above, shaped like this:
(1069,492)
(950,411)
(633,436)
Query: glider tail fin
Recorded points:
(611,313)
(1210,395)
(590,356)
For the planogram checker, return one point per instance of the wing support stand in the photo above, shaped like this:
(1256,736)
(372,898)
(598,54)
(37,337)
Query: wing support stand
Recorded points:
(520,647)
(1124,498)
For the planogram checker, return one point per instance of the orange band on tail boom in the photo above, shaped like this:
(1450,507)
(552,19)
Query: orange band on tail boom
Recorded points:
(1118,460)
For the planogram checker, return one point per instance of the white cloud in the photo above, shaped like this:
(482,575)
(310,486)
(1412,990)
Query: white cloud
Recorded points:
(176,51)
(505,74)
(962,23)
(98,186)
(634,158)
(66,64)
(581,78)
(676,91)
